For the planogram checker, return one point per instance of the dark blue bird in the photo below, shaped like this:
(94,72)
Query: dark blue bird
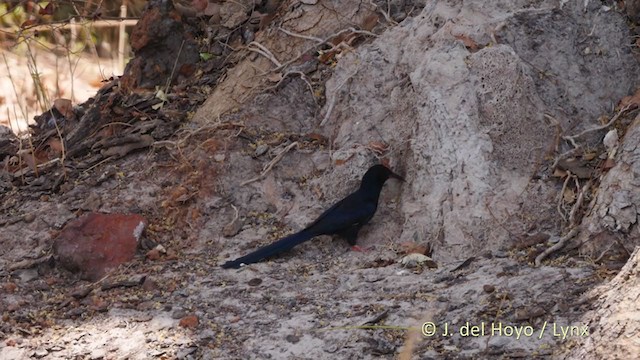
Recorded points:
(344,219)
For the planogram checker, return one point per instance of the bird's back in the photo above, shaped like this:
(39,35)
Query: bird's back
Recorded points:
(354,209)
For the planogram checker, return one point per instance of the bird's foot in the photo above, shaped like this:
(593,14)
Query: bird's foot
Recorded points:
(358,248)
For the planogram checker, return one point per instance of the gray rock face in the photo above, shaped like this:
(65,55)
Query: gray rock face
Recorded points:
(460,93)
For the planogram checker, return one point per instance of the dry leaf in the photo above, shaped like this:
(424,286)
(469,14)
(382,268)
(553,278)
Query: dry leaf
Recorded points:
(633,100)
(559,173)
(413,248)
(608,164)
(275,77)
(316,136)
(29,23)
(569,196)
(47,10)
(65,107)
(56,147)
(369,22)
(589,155)
(467,42)
(378,147)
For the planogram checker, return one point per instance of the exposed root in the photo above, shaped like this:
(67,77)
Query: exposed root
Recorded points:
(559,245)
(262,50)
(561,196)
(573,225)
(289,73)
(302,36)
(572,139)
(386,15)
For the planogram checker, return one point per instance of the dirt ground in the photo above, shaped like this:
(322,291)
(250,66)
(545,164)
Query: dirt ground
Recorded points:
(218,185)
(319,301)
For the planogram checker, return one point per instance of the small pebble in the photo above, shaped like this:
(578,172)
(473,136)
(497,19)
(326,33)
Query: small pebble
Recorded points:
(261,150)
(41,352)
(98,354)
(178,314)
(292,339)
(399,16)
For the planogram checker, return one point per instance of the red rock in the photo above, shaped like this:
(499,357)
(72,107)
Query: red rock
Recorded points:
(10,287)
(96,243)
(189,322)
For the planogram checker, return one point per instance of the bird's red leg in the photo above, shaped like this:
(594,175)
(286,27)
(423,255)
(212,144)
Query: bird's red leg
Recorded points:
(358,248)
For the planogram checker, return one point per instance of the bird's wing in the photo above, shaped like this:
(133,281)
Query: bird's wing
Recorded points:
(347,212)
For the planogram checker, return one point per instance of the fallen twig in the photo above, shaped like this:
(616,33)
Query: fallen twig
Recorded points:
(332,99)
(597,128)
(271,164)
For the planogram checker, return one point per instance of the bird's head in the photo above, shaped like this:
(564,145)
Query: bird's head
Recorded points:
(378,174)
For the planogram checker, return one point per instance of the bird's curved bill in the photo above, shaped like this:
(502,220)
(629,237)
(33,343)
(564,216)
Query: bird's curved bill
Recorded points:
(396,176)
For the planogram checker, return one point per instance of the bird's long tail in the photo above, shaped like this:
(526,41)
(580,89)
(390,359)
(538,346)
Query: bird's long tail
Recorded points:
(276,248)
